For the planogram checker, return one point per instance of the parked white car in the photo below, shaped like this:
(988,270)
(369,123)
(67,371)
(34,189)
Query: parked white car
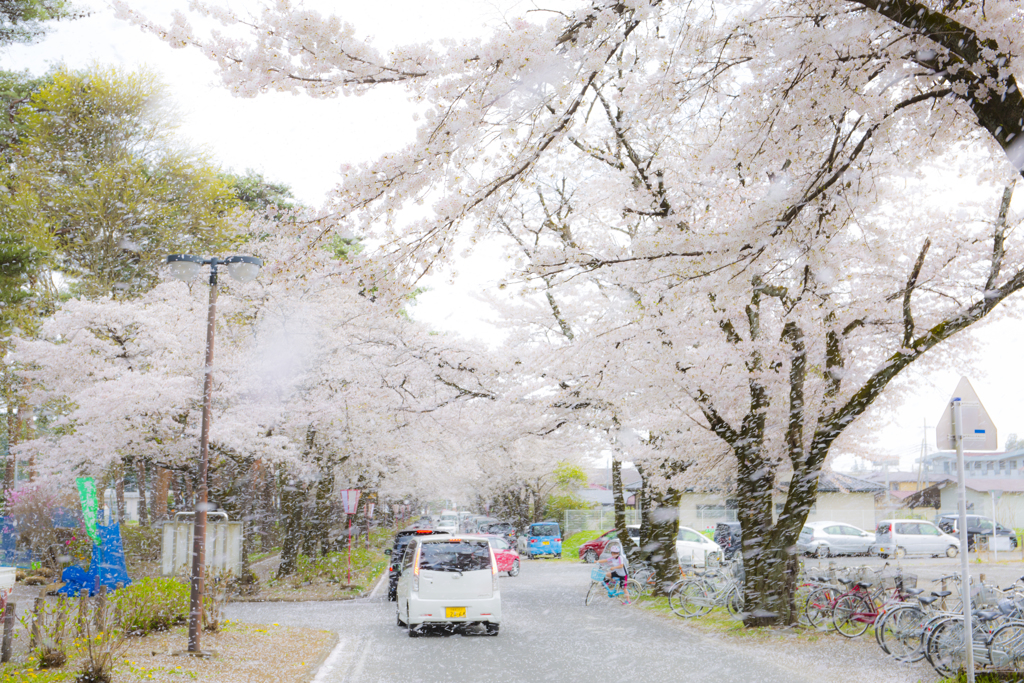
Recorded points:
(448,581)
(693,547)
(823,539)
(899,537)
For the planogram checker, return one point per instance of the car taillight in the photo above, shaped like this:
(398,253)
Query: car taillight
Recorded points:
(416,571)
(558,540)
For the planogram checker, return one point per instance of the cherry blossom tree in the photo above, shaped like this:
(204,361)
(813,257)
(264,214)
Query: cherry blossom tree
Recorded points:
(758,214)
(315,380)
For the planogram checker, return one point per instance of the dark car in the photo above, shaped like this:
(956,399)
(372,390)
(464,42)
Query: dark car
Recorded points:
(727,535)
(976,526)
(503,529)
(402,539)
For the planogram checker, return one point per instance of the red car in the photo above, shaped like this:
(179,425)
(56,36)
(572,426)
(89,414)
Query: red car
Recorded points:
(505,554)
(591,550)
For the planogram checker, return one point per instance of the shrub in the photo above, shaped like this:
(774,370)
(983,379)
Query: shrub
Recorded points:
(141,543)
(152,604)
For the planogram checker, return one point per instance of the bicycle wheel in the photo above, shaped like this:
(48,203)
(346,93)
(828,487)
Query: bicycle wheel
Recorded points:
(597,589)
(734,602)
(901,631)
(716,581)
(929,630)
(1006,647)
(631,592)
(819,608)
(945,647)
(852,615)
(690,600)
(800,599)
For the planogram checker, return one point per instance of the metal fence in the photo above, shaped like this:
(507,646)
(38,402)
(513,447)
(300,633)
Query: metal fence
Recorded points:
(705,520)
(594,520)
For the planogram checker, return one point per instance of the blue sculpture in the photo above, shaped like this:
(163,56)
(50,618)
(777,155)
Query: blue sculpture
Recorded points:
(107,565)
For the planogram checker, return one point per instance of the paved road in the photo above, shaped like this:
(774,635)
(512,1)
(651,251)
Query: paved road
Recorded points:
(548,634)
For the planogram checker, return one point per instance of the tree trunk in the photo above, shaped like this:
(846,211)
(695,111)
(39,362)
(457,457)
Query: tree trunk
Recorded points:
(620,510)
(140,468)
(161,488)
(12,440)
(659,527)
(769,563)
(292,499)
(323,519)
(295,508)
(664,521)
(119,493)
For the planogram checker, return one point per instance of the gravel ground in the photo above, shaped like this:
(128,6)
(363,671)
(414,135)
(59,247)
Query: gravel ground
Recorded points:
(246,653)
(828,656)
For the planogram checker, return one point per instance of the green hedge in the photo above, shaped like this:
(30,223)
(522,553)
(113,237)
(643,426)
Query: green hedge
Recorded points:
(571,545)
(153,604)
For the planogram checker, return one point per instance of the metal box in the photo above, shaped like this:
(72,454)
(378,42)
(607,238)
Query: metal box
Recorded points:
(223,544)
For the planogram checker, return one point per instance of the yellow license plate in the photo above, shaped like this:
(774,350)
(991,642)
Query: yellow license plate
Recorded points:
(454,612)
(546,543)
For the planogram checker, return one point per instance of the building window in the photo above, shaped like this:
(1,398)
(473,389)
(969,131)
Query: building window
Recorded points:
(945,467)
(1013,464)
(1002,465)
(988,468)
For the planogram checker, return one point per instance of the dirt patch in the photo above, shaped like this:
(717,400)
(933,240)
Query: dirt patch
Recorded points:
(244,653)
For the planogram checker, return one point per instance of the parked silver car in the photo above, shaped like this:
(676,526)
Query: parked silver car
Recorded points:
(823,539)
(899,537)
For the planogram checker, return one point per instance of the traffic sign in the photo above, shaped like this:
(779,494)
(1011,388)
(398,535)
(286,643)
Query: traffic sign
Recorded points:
(979,432)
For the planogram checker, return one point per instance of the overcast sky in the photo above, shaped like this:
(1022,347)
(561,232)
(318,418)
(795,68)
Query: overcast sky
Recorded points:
(302,142)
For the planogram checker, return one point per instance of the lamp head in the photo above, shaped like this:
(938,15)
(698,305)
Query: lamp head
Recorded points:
(184,267)
(244,268)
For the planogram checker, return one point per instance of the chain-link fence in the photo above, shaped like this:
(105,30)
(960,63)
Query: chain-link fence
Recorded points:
(594,520)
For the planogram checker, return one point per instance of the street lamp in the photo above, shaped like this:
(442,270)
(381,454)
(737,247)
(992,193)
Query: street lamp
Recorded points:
(185,267)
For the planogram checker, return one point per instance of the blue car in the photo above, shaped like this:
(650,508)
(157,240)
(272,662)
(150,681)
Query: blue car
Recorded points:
(545,538)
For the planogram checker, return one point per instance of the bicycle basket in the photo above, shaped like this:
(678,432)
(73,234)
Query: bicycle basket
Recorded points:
(597,574)
(905,582)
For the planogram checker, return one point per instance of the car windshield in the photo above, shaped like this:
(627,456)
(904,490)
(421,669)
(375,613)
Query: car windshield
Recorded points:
(456,556)
(500,528)
(544,530)
(687,535)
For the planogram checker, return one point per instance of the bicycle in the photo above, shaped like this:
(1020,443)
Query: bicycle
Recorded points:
(699,595)
(626,593)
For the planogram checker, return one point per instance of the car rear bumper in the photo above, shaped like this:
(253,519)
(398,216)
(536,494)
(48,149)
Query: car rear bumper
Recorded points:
(433,611)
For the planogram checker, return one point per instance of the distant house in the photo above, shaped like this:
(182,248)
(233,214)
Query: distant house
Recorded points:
(984,464)
(841,498)
(905,481)
(599,487)
(942,497)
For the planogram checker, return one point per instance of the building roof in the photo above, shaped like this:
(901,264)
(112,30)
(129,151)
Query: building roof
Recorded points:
(903,476)
(837,482)
(929,497)
(977,455)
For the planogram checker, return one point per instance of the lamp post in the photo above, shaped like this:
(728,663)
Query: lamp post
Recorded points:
(185,267)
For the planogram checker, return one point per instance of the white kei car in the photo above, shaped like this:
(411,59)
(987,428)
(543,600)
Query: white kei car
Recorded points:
(693,547)
(448,581)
